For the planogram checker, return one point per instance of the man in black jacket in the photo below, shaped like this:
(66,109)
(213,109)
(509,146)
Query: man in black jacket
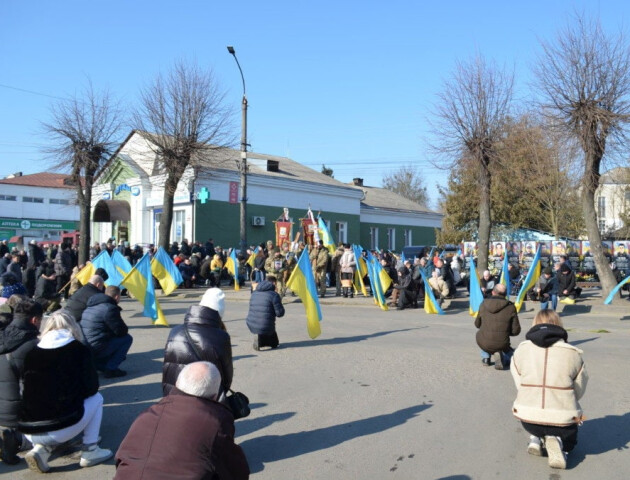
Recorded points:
(16,341)
(106,332)
(264,306)
(497,321)
(568,290)
(77,303)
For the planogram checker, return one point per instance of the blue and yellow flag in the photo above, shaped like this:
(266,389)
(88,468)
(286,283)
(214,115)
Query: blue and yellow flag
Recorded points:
(505,276)
(374,272)
(430,304)
(530,280)
(302,283)
(361,270)
(86,272)
(325,235)
(139,282)
(121,264)
(612,293)
(164,269)
(476,297)
(104,261)
(231,263)
(252,257)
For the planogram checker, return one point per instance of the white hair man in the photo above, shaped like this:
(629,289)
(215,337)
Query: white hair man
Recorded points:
(157,444)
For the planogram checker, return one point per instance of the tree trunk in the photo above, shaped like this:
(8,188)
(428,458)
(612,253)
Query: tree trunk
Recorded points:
(166,220)
(484,218)
(84,229)
(604,272)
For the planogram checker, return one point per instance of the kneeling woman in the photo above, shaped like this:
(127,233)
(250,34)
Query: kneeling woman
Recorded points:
(61,397)
(550,378)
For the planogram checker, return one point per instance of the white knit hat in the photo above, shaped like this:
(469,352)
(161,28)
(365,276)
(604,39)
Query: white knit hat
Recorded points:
(214,298)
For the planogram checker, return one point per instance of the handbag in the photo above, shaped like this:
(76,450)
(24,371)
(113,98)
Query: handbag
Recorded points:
(238,402)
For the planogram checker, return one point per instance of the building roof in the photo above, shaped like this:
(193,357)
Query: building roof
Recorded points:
(43,179)
(263,164)
(383,199)
(227,159)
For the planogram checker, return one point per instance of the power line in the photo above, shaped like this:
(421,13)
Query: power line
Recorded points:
(10,87)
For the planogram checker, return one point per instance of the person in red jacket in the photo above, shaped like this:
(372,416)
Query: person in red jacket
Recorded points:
(187,434)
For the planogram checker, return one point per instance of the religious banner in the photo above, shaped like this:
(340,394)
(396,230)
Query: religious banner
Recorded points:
(309,226)
(283,232)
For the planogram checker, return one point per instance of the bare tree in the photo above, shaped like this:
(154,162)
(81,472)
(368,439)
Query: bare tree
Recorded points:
(83,132)
(471,113)
(184,117)
(407,182)
(584,75)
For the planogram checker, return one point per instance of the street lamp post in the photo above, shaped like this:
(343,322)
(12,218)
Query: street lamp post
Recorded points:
(243,162)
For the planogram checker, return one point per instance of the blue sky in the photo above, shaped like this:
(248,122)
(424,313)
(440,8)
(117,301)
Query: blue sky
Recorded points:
(349,84)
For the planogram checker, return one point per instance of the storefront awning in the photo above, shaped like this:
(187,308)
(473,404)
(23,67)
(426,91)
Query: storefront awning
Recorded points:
(111,211)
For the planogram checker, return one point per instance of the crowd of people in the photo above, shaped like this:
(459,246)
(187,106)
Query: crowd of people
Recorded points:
(52,351)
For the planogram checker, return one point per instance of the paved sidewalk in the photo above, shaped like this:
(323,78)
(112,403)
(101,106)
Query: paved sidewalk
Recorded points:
(398,394)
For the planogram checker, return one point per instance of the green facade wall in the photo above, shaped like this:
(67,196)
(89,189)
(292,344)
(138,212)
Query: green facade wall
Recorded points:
(221,222)
(419,235)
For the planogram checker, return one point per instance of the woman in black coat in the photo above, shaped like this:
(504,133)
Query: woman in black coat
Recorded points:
(60,397)
(264,306)
(202,337)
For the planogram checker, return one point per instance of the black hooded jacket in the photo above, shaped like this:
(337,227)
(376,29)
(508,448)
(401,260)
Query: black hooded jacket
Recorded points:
(264,306)
(16,341)
(544,335)
(205,329)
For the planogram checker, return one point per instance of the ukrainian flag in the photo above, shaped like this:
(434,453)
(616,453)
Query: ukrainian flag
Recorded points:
(475,296)
(139,282)
(530,280)
(505,276)
(430,304)
(86,272)
(612,293)
(325,235)
(302,283)
(120,263)
(252,257)
(231,264)
(104,261)
(361,270)
(164,269)
(374,272)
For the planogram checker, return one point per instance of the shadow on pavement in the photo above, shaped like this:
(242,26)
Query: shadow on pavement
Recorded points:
(575,310)
(241,357)
(249,425)
(601,435)
(271,448)
(455,477)
(577,342)
(335,341)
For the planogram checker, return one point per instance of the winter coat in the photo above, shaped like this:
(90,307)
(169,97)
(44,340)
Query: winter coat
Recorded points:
(45,288)
(205,329)
(347,262)
(16,270)
(497,321)
(264,306)
(182,437)
(566,282)
(16,340)
(550,378)
(101,321)
(35,255)
(77,303)
(187,271)
(64,262)
(56,382)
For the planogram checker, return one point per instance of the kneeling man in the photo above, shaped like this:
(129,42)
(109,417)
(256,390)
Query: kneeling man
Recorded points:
(106,332)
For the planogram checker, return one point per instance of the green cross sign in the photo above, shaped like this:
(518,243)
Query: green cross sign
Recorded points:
(203,195)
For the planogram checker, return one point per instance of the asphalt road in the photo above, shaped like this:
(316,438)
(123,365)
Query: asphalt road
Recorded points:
(398,394)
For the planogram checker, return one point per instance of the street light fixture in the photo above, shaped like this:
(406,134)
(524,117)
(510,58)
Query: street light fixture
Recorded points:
(243,163)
